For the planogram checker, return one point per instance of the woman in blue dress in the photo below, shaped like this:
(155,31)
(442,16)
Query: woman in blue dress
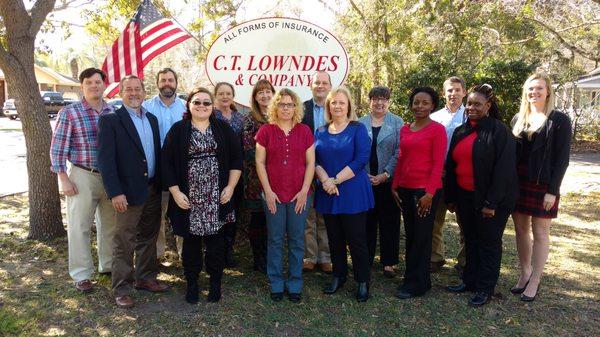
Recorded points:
(344,194)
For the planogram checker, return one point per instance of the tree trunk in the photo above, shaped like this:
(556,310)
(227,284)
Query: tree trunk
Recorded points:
(16,61)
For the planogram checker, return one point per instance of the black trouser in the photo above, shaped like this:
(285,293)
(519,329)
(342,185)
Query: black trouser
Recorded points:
(351,229)
(386,216)
(213,257)
(483,243)
(419,232)
(257,235)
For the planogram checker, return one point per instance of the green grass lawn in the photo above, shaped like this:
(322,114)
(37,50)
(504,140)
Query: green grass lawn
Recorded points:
(37,297)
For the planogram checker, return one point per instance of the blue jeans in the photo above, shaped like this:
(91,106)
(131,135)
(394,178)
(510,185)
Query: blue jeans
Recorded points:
(286,221)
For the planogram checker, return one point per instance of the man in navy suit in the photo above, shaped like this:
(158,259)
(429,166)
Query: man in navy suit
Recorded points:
(129,162)
(316,248)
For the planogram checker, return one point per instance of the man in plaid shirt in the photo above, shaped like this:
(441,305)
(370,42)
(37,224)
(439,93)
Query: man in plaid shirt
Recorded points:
(75,140)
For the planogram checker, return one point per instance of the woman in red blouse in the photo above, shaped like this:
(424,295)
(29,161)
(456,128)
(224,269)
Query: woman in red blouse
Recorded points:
(285,163)
(416,187)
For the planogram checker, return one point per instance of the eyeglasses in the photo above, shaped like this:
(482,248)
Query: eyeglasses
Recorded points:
(198,103)
(286,105)
(379,100)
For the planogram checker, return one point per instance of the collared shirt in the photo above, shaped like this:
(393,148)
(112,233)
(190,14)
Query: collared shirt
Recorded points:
(75,136)
(144,130)
(166,115)
(319,115)
(450,121)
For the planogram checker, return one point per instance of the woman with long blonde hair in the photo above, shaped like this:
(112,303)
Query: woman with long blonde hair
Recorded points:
(543,146)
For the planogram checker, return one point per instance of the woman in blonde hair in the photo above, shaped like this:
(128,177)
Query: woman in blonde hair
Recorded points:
(285,164)
(543,146)
(344,194)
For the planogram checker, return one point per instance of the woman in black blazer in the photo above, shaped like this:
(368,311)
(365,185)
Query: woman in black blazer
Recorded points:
(480,186)
(201,162)
(543,148)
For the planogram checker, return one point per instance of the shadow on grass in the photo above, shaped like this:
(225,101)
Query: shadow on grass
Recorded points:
(38,297)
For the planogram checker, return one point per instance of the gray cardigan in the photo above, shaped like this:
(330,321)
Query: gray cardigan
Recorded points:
(388,142)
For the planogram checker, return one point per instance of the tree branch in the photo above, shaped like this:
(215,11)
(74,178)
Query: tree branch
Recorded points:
(39,11)
(358,11)
(69,4)
(571,47)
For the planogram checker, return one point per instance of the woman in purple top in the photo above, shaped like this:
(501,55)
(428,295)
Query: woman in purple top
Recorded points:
(285,164)
(344,193)
(225,110)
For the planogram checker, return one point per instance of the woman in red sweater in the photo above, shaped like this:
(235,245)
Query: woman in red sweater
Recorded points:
(416,187)
(481,186)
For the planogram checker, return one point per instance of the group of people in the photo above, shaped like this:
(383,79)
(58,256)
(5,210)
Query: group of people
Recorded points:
(311,173)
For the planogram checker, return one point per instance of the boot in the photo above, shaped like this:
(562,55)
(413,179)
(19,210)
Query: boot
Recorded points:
(336,283)
(191,294)
(362,292)
(214,293)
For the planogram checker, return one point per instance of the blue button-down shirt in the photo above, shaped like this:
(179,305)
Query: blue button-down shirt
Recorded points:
(319,115)
(144,130)
(450,121)
(166,115)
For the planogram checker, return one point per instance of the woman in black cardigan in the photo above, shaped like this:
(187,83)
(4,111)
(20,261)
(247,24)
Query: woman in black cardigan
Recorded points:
(201,162)
(480,186)
(543,146)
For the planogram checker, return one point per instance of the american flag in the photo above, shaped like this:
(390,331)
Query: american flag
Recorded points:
(147,35)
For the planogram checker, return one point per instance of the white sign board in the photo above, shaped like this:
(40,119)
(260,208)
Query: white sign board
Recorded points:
(285,51)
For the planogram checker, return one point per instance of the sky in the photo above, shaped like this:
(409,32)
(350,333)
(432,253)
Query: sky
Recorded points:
(310,10)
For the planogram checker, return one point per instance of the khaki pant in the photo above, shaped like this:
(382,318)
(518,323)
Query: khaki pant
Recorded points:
(90,201)
(161,241)
(437,243)
(135,239)
(316,244)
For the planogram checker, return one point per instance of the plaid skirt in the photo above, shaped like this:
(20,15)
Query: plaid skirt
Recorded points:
(531,197)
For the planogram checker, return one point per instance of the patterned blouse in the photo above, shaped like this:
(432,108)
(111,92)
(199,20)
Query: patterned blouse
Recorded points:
(252,187)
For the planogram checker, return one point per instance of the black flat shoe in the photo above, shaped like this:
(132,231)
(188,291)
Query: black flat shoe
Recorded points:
(526,298)
(295,297)
(276,297)
(458,288)
(389,273)
(479,299)
(336,283)
(362,292)
(518,291)
(214,294)
(403,295)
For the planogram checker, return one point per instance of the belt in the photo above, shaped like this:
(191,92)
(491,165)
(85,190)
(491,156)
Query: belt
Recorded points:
(86,168)
(151,181)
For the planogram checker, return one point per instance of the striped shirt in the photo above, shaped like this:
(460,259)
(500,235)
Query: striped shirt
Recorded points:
(75,136)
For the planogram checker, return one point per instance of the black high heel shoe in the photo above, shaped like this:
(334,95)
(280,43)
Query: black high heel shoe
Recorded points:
(336,283)
(526,298)
(518,291)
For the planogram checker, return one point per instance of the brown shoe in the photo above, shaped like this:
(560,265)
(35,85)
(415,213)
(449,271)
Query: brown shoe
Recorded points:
(326,267)
(124,302)
(84,286)
(308,266)
(152,286)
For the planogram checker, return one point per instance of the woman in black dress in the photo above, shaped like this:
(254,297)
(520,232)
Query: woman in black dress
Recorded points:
(543,147)
(202,162)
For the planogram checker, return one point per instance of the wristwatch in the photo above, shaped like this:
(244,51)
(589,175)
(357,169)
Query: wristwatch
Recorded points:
(335,181)
(387,175)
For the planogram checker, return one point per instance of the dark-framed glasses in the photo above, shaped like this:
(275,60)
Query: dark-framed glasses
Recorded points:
(198,103)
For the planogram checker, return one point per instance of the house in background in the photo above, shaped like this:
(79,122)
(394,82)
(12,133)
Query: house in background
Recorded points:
(48,80)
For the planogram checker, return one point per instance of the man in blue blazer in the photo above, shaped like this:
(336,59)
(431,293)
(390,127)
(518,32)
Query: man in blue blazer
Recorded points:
(129,162)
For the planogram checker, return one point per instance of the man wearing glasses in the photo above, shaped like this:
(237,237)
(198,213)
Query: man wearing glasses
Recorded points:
(129,162)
